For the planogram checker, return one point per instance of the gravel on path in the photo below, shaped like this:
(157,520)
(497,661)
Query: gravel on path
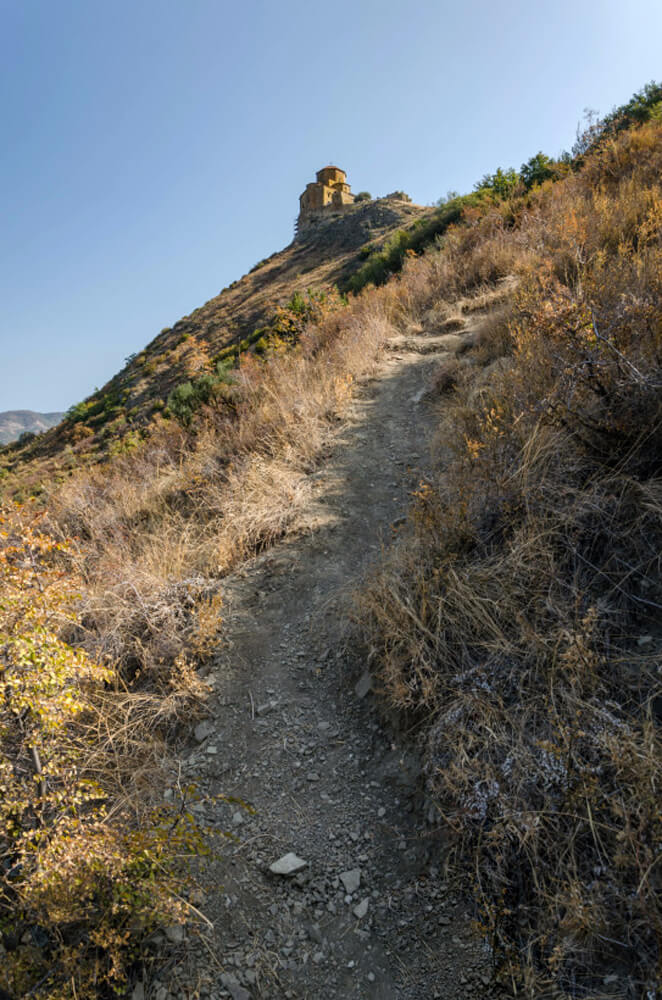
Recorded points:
(331,885)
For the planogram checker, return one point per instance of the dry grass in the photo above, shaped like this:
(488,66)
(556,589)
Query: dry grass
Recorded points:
(148,537)
(493,335)
(158,529)
(518,622)
(89,852)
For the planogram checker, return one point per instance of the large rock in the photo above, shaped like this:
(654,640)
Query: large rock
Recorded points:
(289,864)
(351,879)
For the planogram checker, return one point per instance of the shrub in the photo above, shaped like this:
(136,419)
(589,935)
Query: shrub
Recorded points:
(79,885)
(188,397)
(182,403)
(367,250)
(536,170)
(645,105)
(380,263)
(449,196)
(502,183)
(76,412)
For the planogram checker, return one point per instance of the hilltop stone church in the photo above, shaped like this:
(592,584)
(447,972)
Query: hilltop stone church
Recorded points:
(330,190)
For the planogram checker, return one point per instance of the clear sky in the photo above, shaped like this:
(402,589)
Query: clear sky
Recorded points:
(154,150)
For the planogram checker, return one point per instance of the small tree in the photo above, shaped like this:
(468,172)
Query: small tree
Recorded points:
(502,183)
(536,170)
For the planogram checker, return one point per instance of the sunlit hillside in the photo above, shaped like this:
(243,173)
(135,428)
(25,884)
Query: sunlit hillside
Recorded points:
(509,624)
(276,298)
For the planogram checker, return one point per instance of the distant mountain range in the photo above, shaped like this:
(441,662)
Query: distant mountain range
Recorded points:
(13,423)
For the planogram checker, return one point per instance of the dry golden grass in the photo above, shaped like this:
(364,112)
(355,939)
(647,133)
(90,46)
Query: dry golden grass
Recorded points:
(518,622)
(158,529)
(148,537)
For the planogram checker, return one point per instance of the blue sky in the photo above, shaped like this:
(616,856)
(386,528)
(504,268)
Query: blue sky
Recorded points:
(154,150)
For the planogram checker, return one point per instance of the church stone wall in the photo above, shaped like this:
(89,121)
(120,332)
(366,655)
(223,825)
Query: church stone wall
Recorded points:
(330,190)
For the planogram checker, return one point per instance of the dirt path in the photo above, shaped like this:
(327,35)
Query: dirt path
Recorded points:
(370,915)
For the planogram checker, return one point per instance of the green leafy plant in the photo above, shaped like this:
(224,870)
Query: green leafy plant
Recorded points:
(80,884)
(536,170)
(502,183)
(188,397)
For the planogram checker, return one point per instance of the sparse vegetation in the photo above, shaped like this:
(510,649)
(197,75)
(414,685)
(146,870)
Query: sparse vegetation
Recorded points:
(382,262)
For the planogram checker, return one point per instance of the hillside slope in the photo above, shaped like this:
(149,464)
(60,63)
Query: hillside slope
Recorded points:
(323,255)
(176,629)
(388,931)
(516,626)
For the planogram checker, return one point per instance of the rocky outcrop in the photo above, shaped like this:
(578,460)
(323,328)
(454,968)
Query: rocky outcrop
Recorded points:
(354,225)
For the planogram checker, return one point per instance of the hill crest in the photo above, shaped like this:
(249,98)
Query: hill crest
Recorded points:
(325,253)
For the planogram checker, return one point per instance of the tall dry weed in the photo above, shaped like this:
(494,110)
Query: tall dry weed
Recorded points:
(518,622)
(158,528)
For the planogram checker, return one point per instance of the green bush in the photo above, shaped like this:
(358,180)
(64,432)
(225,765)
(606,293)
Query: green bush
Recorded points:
(644,105)
(536,170)
(367,250)
(502,183)
(181,403)
(380,263)
(76,412)
(449,196)
(188,397)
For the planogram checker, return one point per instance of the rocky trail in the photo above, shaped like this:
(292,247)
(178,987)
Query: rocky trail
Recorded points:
(330,886)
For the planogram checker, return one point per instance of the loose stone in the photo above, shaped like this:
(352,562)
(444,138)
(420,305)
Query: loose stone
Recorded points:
(351,879)
(289,864)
